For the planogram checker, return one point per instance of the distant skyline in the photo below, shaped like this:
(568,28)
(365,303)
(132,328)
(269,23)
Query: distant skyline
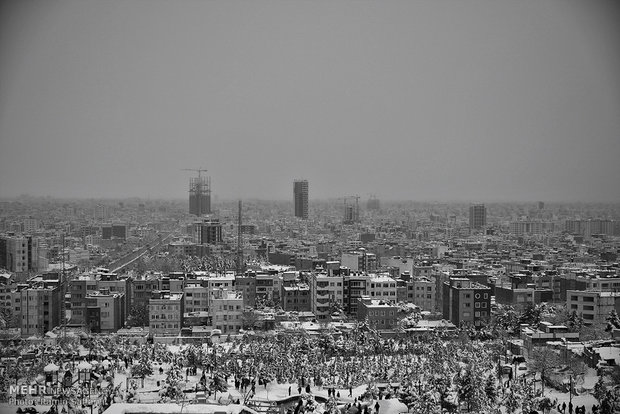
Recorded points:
(410,100)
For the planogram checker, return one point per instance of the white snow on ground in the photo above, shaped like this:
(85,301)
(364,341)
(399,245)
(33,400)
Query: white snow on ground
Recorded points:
(149,394)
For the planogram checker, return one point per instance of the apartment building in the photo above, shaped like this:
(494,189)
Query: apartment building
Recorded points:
(593,306)
(325,291)
(466,302)
(166,313)
(379,314)
(106,311)
(226,311)
(382,287)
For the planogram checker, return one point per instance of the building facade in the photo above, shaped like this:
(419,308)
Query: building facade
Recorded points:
(466,302)
(300,197)
(477,216)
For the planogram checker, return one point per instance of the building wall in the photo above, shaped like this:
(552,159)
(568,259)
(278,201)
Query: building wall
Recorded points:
(39,310)
(227,312)
(325,291)
(300,198)
(593,306)
(166,315)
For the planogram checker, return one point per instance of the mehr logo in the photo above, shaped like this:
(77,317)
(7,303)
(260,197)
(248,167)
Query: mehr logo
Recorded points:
(34,390)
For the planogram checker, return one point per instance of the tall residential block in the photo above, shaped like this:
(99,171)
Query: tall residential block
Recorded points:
(300,196)
(477,216)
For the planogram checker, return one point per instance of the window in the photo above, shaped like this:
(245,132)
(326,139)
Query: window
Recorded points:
(477,305)
(468,305)
(477,296)
(573,297)
(467,296)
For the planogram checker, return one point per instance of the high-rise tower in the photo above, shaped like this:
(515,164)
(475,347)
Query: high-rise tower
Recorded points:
(477,216)
(199,194)
(300,196)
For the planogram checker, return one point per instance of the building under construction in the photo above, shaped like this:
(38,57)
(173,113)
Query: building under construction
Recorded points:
(200,195)
(351,210)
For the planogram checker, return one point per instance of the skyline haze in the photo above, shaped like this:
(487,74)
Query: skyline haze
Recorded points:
(481,101)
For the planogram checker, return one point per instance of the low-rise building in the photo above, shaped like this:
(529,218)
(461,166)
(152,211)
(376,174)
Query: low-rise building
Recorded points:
(466,302)
(166,313)
(594,306)
(105,311)
(226,311)
(379,314)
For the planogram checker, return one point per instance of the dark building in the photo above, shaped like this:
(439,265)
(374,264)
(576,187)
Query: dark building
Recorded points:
(247,286)
(378,314)
(296,298)
(466,302)
(119,231)
(106,231)
(206,232)
(300,196)
(477,216)
(200,196)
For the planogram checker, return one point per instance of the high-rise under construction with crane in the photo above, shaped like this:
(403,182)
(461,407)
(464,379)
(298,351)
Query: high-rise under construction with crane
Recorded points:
(200,195)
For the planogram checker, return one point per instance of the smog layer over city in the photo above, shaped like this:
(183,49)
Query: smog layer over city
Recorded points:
(309,207)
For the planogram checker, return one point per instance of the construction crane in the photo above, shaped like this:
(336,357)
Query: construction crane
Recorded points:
(200,170)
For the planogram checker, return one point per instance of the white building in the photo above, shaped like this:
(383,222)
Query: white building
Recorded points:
(226,311)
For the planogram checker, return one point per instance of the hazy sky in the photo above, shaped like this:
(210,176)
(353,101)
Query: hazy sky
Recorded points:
(421,100)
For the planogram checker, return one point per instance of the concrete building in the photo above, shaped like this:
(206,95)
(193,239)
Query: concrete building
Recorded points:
(587,228)
(200,195)
(206,232)
(325,292)
(142,289)
(31,225)
(22,254)
(355,285)
(520,228)
(477,216)
(79,289)
(105,312)
(300,198)
(38,308)
(379,314)
(247,286)
(166,313)
(546,332)
(226,311)
(382,287)
(593,306)
(421,292)
(196,297)
(359,261)
(466,302)
(296,298)
(268,287)
(119,231)
(521,297)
